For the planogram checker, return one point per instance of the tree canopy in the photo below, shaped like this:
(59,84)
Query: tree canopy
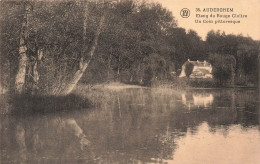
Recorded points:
(133,39)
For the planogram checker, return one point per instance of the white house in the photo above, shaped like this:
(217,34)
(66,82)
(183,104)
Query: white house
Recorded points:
(200,69)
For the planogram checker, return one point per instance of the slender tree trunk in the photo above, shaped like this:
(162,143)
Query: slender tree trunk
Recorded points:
(20,77)
(23,58)
(109,64)
(85,64)
(34,75)
(1,76)
(233,74)
(258,84)
(118,70)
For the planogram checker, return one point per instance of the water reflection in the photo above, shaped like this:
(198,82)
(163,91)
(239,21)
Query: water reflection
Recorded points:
(226,145)
(139,126)
(51,141)
(197,100)
(20,139)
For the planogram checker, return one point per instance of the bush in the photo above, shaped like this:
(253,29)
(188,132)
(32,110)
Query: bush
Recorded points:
(223,68)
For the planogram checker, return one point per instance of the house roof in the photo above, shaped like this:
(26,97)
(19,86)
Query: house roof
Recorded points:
(199,63)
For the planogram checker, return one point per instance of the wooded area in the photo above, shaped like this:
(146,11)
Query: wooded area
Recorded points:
(47,47)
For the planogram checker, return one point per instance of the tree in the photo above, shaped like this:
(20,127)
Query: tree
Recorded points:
(188,69)
(53,30)
(9,35)
(23,59)
(84,64)
(126,41)
(155,69)
(242,50)
(195,46)
(223,68)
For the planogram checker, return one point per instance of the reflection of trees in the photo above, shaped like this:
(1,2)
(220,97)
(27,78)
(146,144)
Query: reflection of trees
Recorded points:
(130,125)
(20,139)
(29,135)
(56,139)
(141,132)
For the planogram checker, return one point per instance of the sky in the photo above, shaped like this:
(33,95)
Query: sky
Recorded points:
(249,26)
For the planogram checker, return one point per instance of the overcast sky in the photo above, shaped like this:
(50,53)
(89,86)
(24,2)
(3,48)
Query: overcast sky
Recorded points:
(249,26)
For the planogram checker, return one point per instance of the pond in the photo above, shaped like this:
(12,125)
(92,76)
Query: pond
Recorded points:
(139,125)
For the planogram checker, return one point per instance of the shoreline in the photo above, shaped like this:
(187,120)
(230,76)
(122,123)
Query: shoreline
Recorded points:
(118,86)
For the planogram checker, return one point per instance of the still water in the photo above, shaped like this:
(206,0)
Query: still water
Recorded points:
(139,125)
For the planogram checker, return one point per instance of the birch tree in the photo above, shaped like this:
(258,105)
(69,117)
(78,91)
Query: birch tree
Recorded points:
(84,62)
(23,56)
(47,31)
(86,57)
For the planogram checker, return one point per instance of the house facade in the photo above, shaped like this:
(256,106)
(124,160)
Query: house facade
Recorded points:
(201,70)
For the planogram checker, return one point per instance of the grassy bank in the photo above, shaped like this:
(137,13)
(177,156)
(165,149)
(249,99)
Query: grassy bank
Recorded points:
(182,84)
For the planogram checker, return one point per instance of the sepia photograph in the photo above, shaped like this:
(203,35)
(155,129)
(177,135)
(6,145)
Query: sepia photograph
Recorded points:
(129,81)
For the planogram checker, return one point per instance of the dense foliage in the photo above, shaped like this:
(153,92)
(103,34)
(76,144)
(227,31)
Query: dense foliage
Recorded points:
(233,54)
(139,43)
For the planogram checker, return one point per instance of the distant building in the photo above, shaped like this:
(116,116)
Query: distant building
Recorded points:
(200,70)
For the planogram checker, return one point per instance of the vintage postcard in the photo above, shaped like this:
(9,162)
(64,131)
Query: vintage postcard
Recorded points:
(130,81)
